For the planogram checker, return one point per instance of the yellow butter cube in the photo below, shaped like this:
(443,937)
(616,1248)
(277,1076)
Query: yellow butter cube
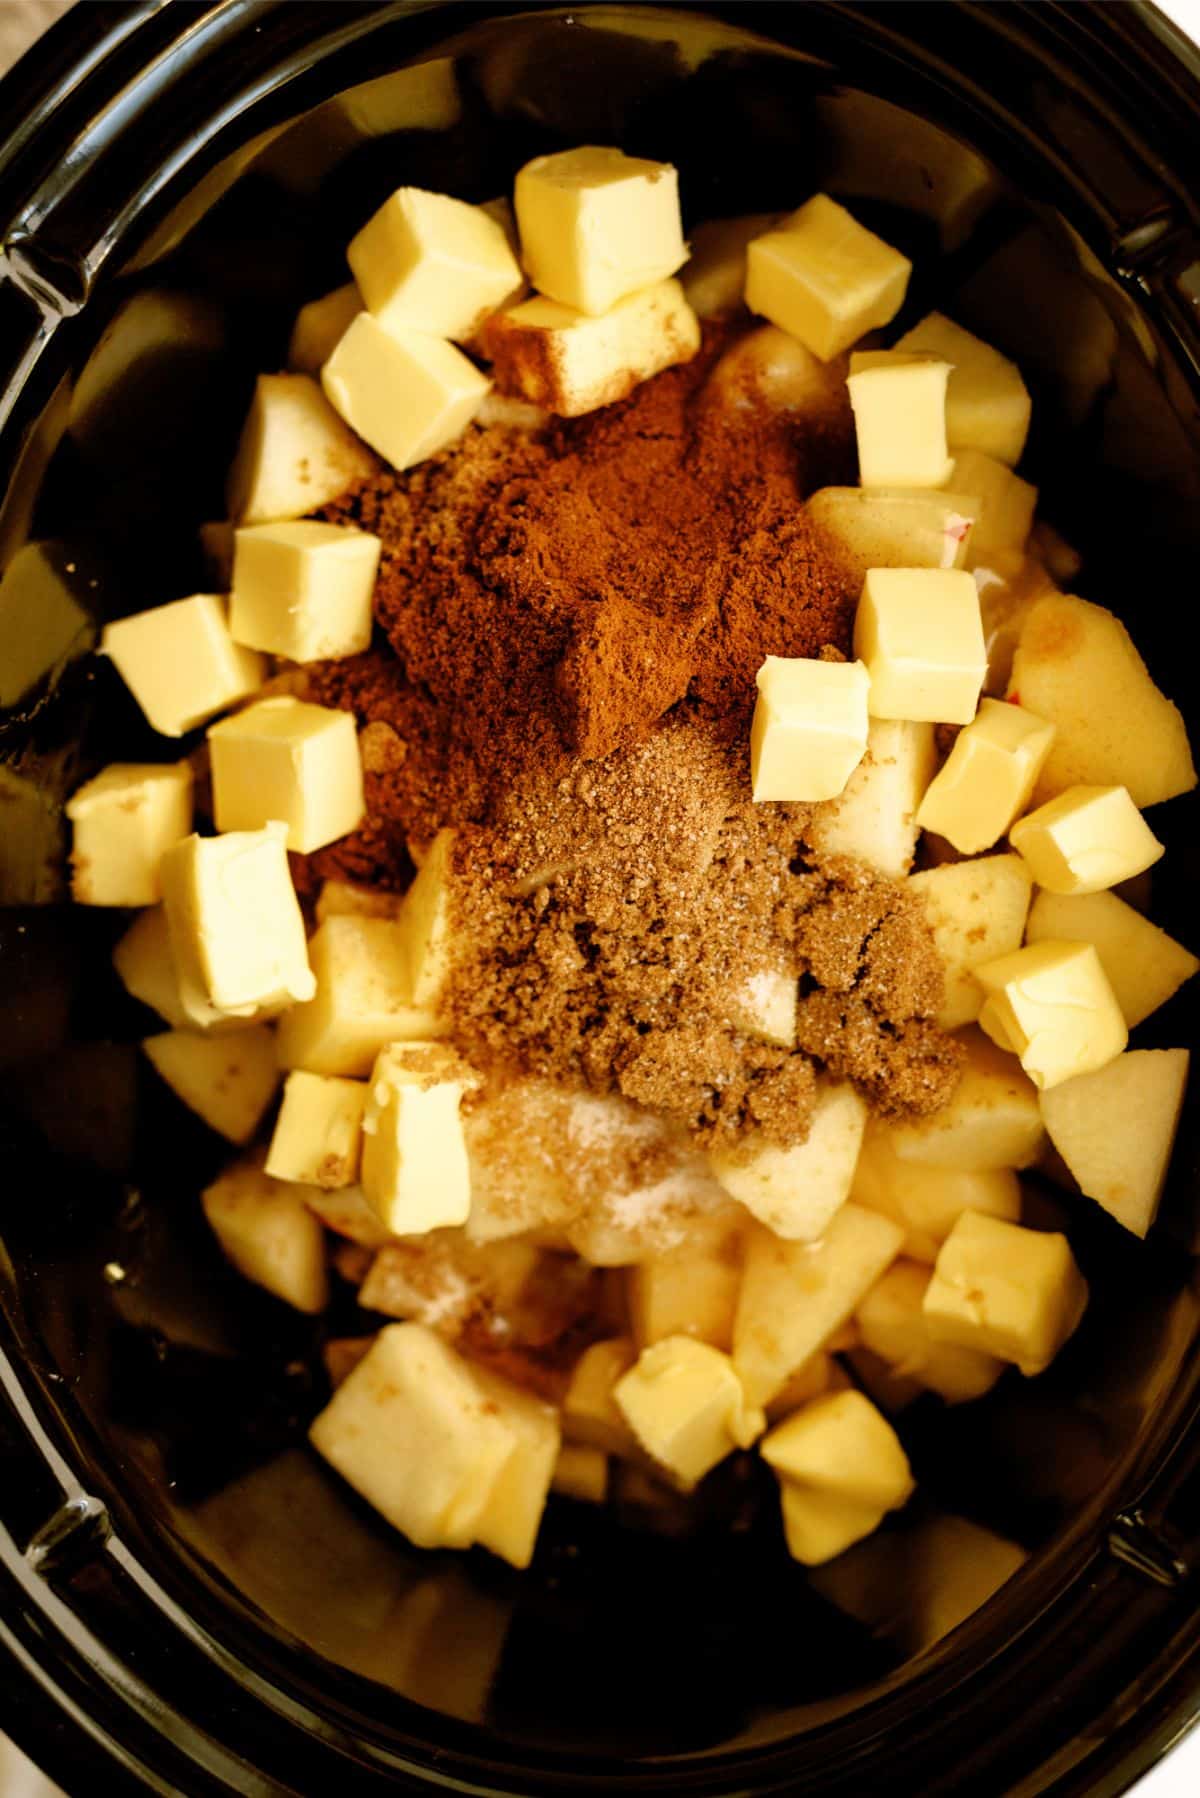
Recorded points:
(125,820)
(1006,508)
(596,225)
(810,727)
(839,1443)
(1051,1004)
(992,1121)
(237,935)
(685,1404)
(875,818)
(899,407)
(1006,1291)
(285,759)
(318,327)
(590,1412)
(691,1290)
(796,1191)
(987,402)
(346,898)
(318,1135)
(227,1080)
(1087,839)
(988,777)
(363,1000)
(977,912)
(269,1235)
(714,276)
(426,924)
(927,1201)
(415,1174)
(892,1324)
(406,394)
(1144,965)
(571,362)
(180,662)
(427,262)
(303,590)
(294,454)
(825,278)
(919,632)
(581,1472)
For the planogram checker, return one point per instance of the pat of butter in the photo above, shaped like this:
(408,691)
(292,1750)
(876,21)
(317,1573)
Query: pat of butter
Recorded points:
(988,777)
(987,402)
(1052,1005)
(125,820)
(427,262)
(406,394)
(180,662)
(571,362)
(227,1080)
(685,1404)
(303,589)
(596,225)
(1006,507)
(415,1174)
(919,632)
(899,407)
(810,727)
(294,454)
(236,930)
(1005,1290)
(318,326)
(284,758)
(1086,840)
(363,1000)
(318,1136)
(825,278)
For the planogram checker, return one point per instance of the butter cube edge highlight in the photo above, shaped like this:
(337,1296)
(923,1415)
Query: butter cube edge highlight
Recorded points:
(824,278)
(809,731)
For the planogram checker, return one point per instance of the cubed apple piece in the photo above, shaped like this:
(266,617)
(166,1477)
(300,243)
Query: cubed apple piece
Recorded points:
(363,999)
(891,1391)
(987,402)
(146,967)
(294,454)
(992,1121)
(303,589)
(590,1413)
(919,632)
(841,1469)
(809,731)
(1115,1130)
(928,1201)
(442,1280)
(1051,1005)
(406,394)
(227,1080)
(509,1522)
(685,1404)
(415,1173)
(581,1472)
(597,225)
(899,407)
(1145,966)
(1007,506)
(1005,1291)
(691,1290)
(892,1324)
(876,817)
(988,777)
(269,1235)
(428,262)
(897,527)
(825,278)
(347,898)
(426,924)
(345,1211)
(820,1373)
(318,1135)
(796,1191)
(318,326)
(714,275)
(1076,666)
(794,1295)
(977,912)
(1085,840)
(763,1004)
(180,662)
(125,819)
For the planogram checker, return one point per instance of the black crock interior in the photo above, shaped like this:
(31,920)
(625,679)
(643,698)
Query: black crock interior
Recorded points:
(176,1395)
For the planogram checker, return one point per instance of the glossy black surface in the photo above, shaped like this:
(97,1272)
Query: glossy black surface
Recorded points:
(226,1616)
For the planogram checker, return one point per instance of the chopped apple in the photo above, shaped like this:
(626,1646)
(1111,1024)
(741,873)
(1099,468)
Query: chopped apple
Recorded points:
(1077,667)
(928,1201)
(893,1326)
(590,1412)
(269,1234)
(841,1469)
(691,1290)
(227,1080)
(295,454)
(796,1191)
(763,1004)
(1115,1130)
(1007,503)
(425,924)
(992,1121)
(875,818)
(987,402)
(773,367)
(1143,964)
(897,527)
(714,276)
(345,1211)
(977,911)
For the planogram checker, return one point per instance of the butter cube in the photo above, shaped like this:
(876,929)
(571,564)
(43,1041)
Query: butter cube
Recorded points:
(318,1136)
(571,362)
(406,394)
(1051,1004)
(415,1174)
(1006,507)
(304,590)
(892,1324)
(180,662)
(927,1201)
(597,225)
(900,420)
(988,777)
(426,262)
(318,327)
(126,819)
(227,1080)
(691,1290)
(236,930)
(1086,840)
(1144,965)
(685,1404)
(714,276)
(796,1191)
(363,1000)
(1006,1291)
(283,758)
(581,1472)
(269,1235)
(426,922)
(992,1121)
(590,1412)
(977,912)
(294,454)
(810,728)
(841,1469)
(987,402)
(919,632)
(825,278)
(508,1524)
(875,818)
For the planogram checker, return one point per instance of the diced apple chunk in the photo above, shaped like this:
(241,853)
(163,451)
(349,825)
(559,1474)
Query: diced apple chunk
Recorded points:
(269,1234)
(928,1201)
(897,527)
(227,1080)
(977,911)
(1115,1130)
(1143,964)
(590,1412)
(295,454)
(425,924)
(797,1190)
(841,1469)
(992,1121)
(763,1004)
(875,818)
(893,1326)
(1007,504)
(691,1290)
(714,276)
